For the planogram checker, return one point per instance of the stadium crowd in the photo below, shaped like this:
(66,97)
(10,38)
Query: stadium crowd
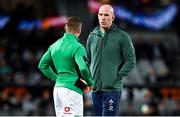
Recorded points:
(152,88)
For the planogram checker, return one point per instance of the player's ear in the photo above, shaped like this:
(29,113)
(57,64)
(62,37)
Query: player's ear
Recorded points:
(79,30)
(113,17)
(65,28)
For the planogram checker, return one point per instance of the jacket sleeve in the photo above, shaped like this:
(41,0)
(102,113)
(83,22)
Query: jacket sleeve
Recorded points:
(45,66)
(80,56)
(128,55)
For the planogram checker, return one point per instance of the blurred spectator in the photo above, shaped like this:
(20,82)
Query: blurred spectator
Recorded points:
(150,104)
(176,111)
(5,72)
(45,102)
(29,107)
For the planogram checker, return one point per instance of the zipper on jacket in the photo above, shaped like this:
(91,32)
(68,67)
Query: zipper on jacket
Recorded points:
(103,40)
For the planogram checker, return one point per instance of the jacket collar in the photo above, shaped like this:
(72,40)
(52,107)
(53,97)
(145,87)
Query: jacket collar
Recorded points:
(97,29)
(70,36)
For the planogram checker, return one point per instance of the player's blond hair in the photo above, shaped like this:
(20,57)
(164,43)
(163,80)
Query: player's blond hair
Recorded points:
(73,24)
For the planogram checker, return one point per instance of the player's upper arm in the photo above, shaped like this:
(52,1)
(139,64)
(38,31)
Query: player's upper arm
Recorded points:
(80,54)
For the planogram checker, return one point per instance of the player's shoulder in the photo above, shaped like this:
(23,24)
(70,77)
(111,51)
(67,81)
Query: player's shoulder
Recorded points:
(76,45)
(55,43)
(80,48)
(122,31)
(119,29)
(94,30)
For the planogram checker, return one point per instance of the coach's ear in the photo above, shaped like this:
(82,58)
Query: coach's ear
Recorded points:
(113,17)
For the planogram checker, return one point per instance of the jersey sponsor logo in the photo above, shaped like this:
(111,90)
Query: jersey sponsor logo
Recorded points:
(67,110)
(111,105)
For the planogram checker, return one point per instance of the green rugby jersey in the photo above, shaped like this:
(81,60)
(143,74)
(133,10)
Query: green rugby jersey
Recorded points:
(67,56)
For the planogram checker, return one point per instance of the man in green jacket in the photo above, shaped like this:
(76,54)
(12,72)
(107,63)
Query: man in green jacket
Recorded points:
(68,58)
(111,56)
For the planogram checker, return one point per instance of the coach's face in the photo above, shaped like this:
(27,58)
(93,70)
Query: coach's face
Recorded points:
(105,16)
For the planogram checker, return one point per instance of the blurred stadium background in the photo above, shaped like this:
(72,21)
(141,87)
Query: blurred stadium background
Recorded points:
(28,27)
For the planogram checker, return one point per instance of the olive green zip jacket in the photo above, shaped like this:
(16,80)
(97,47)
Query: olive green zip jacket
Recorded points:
(67,57)
(111,58)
